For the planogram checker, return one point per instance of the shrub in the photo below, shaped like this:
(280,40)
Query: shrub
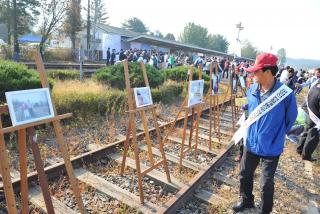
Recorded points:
(89,98)
(27,53)
(114,76)
(168,92)
(6,52)
(14,76)
(180,74)
(63,74)
(58,54)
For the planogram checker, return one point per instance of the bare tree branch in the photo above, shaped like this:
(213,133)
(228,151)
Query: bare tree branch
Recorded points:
(52,12)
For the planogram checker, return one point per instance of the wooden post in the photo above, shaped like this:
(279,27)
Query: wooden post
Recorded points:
(155,122)
(133,129)
(161,144)
(191,127)
(125,149)
(6,179)
(146,131)
(40,170)
(218,118)
(23,170)
(213,105)
(199,111)
(60,140)
(185,121)
(210,109)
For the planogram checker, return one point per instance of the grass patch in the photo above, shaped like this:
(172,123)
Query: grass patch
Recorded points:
(87,98)
(63,74)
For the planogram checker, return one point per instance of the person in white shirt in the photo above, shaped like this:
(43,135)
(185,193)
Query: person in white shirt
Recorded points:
(165,59)
(284,76)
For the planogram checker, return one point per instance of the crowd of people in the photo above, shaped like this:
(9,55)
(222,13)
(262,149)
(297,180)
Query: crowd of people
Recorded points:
(163,59)
(157,59)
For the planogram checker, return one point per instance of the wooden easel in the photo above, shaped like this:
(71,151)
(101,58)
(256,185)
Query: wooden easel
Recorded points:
(193,108)
(133,132)
(234,108)
(193,124)
(214,103)
(4,163)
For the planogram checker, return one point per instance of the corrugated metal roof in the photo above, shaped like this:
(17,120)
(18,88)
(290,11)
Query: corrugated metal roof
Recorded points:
(170,43)
(116,30)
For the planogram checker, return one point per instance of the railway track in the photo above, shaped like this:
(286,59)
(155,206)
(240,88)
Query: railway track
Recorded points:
(67,66)
(103,187)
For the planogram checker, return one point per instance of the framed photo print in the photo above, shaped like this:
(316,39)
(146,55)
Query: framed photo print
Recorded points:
(242,81)
(215,84)
(234,86)
(142,96)
(195,93)
(28,106)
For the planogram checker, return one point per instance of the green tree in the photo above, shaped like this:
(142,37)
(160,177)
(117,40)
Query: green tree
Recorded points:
(218,43)
(99,14)
(19,16)
(248,50)
(157,33)
(135,25)
(282,56)
(5,17)
(72,23)
(194,34)
(170,36)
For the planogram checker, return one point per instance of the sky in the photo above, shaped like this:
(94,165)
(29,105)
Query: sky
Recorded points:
(290,24)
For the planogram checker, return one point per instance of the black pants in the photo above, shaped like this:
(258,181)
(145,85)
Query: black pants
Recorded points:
(248,165)
(309,140)
(227,72)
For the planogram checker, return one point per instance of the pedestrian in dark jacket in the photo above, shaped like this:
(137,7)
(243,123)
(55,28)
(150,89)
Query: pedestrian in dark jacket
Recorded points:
(113,57)
(292,79)
(108,57)
(310,136)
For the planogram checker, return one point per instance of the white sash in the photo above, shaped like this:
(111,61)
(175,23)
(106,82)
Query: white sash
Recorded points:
(312,115)
(261,110)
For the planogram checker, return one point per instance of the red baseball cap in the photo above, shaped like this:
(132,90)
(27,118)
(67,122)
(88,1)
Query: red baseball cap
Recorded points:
(263,60)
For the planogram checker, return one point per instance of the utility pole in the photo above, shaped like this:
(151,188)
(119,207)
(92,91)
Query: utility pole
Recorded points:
(9,22)
(88,30)
(240,28)
(15,32)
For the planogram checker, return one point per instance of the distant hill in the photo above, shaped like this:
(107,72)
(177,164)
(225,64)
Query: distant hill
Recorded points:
(303,63)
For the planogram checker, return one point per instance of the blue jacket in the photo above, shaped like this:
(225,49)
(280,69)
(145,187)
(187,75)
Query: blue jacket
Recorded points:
(266,136)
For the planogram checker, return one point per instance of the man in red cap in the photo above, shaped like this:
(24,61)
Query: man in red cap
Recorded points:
(272,112)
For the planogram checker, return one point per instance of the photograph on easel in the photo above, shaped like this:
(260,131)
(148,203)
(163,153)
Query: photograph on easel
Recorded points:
(142,96)
(28,106)
(215,84)
(242,81)
(195,94)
